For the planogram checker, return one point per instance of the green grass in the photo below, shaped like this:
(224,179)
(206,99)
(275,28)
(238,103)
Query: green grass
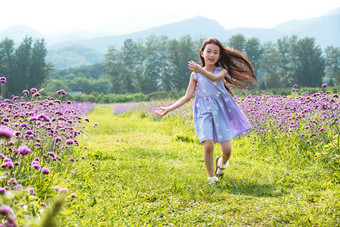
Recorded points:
(141,171)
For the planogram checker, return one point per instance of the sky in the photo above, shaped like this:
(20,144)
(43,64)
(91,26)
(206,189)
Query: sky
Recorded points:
(124,16)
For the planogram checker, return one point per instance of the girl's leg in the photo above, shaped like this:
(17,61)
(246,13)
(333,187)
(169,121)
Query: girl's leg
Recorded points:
(226,151)
(208,147)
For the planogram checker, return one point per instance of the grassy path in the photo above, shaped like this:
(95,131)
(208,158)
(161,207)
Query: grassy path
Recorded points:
(142,174)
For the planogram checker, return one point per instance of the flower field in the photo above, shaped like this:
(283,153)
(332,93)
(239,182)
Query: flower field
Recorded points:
(37,141)
(136,168)
(302,124)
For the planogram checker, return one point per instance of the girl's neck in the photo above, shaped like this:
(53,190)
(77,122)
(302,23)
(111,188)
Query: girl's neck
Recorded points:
(210,68)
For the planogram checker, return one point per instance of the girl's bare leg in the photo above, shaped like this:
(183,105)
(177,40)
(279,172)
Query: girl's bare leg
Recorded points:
(226,151)
(208,146)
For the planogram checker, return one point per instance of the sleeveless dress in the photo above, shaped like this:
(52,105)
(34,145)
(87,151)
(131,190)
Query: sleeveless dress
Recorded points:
(216,116)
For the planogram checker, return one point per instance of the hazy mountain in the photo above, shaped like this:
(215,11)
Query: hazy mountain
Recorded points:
(197,27)
(325,30)
(73,56)
(18,32)
(73,49)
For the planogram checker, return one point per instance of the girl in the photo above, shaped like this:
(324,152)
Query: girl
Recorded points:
(217,118)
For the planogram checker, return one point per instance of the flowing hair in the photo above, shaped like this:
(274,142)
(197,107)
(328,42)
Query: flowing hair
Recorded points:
(239,68)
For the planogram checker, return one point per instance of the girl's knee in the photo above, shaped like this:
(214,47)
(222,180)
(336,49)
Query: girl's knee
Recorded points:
(208,145)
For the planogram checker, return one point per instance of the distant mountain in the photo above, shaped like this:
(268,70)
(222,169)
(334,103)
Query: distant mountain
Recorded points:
(73,56)
(71,50)
(18,32)
(197,27)
(325,30)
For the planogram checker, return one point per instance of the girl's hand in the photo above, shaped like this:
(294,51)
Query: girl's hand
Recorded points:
(162,111)
(193,66)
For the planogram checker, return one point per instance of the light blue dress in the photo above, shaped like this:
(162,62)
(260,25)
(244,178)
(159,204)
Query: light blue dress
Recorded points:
(216,116)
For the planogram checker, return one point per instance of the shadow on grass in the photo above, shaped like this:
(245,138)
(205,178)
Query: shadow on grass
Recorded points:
(250,188)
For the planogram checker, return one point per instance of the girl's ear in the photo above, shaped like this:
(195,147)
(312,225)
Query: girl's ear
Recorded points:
(201,53)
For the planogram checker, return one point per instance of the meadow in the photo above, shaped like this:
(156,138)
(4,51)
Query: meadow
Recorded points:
(129,167)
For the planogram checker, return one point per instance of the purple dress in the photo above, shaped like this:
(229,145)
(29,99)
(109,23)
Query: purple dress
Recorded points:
(216,116)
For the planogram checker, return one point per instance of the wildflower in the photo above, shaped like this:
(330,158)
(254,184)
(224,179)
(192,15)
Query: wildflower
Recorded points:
(73,195)
(36,166)
(4,210)
(33,90)
(24,150)
(69,141)
(10,222)
(324,85)
(42,204)
(6,133)
(2,190)
(57,139)
(12,181)
(56,188)
(43,117)
(71,159)
(26,92)
(296,86)
(63,190)
(45,171)
(17,187)
(62,92)
(31,190)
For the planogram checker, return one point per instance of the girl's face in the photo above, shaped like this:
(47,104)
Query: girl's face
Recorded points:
(211,54)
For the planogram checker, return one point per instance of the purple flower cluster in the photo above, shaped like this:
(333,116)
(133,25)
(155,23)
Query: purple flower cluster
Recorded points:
(3,80)
(34,136)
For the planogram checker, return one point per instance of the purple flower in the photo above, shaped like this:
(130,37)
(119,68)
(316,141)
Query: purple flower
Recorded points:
(24,150)
(2,190)
(3,80)
(43,117)
(42,204)
(4,210)
(324,85)
(36,166)
(57,139)
(296,86)
(17,187)
(63,190)
(45,171)
(69,141)
(6,133)
(62,92)
(73,195)
(31,190)
(33,90)
(26,92)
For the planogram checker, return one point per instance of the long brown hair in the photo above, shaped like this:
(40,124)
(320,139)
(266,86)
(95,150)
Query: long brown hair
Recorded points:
(235,62)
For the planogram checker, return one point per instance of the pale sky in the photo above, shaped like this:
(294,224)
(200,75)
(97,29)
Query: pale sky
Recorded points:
(51,16)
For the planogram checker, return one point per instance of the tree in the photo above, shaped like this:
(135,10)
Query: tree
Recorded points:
(7,62)
(237,42)
(114,68)
(38,69)
(332,64)
(254,52)
(269,67)
(310,64)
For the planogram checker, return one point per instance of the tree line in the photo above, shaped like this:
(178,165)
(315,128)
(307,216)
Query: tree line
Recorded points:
(24,65)
(160,64)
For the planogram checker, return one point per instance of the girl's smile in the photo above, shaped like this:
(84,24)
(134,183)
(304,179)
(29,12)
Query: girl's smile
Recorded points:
(211,54)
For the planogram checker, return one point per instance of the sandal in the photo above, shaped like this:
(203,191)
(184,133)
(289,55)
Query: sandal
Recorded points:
(217,167)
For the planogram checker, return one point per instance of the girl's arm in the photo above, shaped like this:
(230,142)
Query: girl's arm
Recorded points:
(213,77)
(186,98)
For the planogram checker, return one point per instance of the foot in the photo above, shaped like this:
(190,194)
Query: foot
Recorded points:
(219,171)
(212,180)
